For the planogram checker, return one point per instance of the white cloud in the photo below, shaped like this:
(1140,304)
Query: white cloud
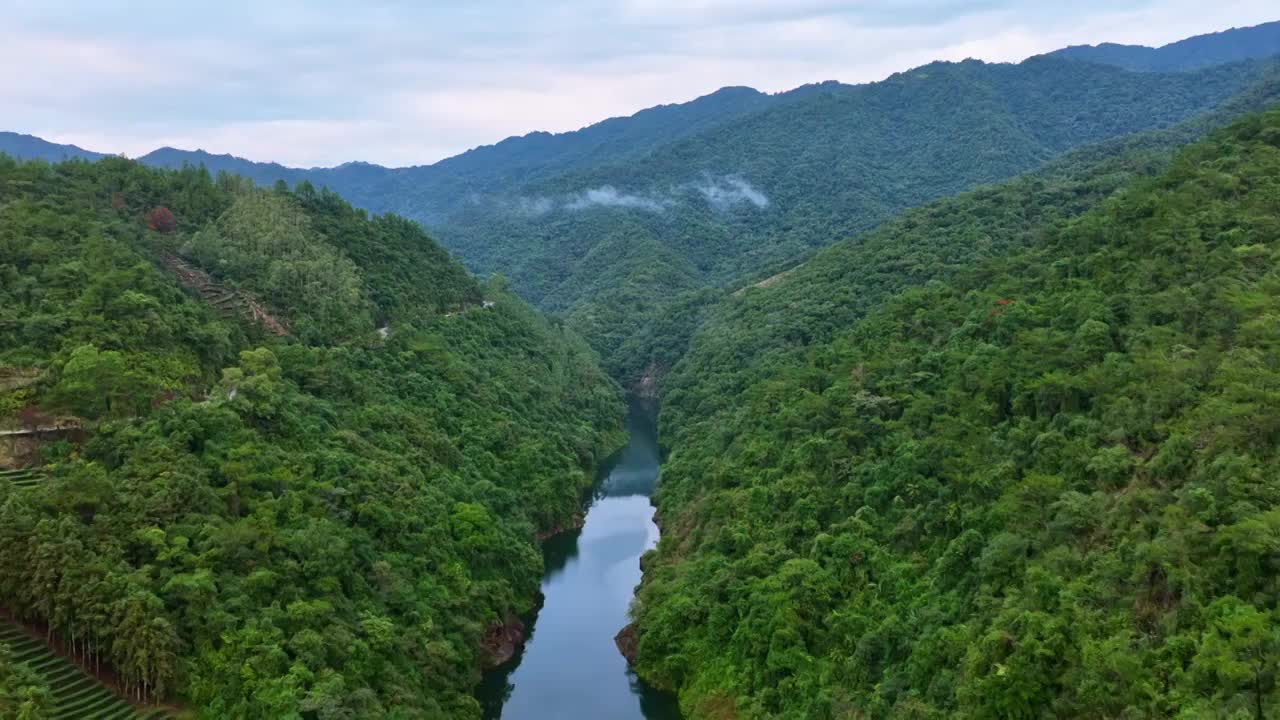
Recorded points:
(400,83)
(725,192)
(532,207)
(722,192)
(608,196)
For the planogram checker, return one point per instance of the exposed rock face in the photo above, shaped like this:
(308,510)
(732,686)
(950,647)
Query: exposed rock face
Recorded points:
(628,643)
(502,641)
(649,383)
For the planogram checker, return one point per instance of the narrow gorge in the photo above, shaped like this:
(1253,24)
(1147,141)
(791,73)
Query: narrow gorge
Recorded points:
(570,665)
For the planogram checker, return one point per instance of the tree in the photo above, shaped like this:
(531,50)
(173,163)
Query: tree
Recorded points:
(101,383)
(1239,653)
(161,220)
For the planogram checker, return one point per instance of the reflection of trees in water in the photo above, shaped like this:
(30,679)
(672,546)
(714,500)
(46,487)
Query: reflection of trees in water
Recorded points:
(634,471)
(495,686)
(654,704)
(557,551)
(634,482)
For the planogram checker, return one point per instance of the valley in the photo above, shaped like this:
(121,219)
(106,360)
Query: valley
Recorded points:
(569,665)
(955,394)
(627,227)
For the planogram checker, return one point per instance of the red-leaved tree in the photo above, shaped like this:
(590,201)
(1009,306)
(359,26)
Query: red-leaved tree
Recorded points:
(162,220)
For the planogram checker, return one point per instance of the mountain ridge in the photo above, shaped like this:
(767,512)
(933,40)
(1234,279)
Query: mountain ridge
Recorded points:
(1231,45)
(31,147)
(1265,36)
(739,184)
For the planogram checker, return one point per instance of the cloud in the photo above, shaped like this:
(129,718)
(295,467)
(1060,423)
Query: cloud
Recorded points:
(723,193)
(608,196)
(319,83)
(531,206)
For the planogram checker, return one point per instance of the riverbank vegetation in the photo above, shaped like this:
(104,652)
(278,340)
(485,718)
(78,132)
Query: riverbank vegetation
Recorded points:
(323,523)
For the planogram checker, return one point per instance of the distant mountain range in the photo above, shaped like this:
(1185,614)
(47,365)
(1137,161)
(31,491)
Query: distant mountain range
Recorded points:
(622,223)
(1201,51)
(30,147)
(538,153)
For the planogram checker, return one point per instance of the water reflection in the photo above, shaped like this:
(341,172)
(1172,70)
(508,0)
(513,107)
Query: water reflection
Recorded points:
(558,551)
(569,667)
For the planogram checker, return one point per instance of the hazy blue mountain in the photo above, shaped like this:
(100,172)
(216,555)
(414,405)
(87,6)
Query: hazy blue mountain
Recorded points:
(539,153)
(428,192)
(30,147)
(261,173)
(1260,41)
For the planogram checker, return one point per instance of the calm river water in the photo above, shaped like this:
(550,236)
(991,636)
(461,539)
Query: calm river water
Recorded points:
(570,668)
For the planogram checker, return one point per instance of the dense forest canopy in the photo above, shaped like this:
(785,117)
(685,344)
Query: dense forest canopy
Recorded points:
(323,523)
(1038,484)
(612,245)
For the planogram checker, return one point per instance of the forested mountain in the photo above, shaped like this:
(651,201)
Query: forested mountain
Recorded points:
(262,173)
(515,161)
(1201,51)
(623,224)
(634,225)
(430,193)
(751,197)
(29,147)
(1007,456)
(971,413)
(749,331)
(310,454)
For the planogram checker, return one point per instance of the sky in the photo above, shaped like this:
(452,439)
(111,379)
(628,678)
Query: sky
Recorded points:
(403,83)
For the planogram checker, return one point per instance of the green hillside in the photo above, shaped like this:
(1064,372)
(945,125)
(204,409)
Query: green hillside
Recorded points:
(431,193)
(622,225)
(317,452)
(1031,482)
(752,197)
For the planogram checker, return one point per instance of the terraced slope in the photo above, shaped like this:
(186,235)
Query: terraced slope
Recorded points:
(226,301)
(77,696)
(22,477)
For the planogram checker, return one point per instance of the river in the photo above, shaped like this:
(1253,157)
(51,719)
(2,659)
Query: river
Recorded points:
(570,668)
